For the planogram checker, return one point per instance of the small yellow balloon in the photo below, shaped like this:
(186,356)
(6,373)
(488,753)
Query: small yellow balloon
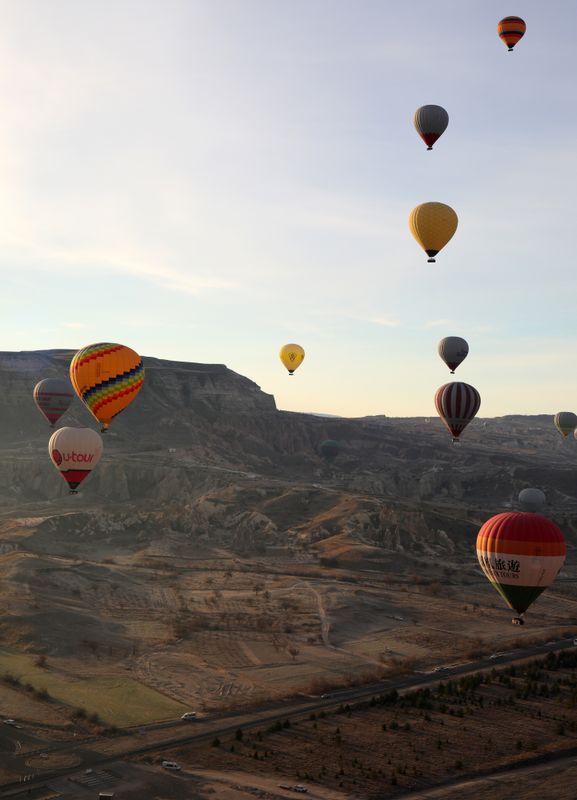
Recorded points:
(292,356)
(433,225)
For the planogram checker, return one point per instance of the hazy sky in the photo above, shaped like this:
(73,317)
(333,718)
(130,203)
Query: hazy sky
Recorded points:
(206,180)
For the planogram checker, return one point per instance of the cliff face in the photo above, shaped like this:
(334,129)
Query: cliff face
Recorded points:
(197,431)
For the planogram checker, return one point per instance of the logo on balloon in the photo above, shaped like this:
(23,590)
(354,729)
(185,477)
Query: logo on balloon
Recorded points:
(57,457)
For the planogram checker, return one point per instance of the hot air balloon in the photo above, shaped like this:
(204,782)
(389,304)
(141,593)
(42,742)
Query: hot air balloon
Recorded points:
(565,422)
(433,225)
(511,29)
(453,350)
(430,123)
(330,449)
(107,378)
(75,452)
(457,404)
(53,397)
(532,499)
(521,554)
(292,356)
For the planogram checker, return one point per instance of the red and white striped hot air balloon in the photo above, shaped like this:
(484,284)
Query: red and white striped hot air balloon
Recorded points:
(75,452)
(521,554)
(53,397)
(456,404)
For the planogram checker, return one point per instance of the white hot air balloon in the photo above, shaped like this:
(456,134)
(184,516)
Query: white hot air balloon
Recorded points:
(75,452)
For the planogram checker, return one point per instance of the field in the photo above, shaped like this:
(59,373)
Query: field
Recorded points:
(116,701)
(394,745)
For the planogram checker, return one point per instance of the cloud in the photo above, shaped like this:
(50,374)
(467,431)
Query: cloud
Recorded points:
(437,323)
(385,322)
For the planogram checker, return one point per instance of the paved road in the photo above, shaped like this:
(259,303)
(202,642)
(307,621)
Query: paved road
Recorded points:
(180,733)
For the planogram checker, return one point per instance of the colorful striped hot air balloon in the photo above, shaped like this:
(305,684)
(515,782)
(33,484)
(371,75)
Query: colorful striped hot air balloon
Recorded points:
(453,350)
(106,377)
(433,225)
(456,404)
(292,356)
(565,422)
(75,452)
(430,122)
(511,29)
(53,397)
(521,555)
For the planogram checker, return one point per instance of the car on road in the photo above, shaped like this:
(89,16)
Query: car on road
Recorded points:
(497,655)
(326,696)
(170,765)
(575,642)
(189,715)
(299,788)
(11,722)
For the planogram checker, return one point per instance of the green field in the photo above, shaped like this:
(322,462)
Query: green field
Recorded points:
(117,701)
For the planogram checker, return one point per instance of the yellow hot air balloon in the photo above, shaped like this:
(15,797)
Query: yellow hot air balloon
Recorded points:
(433,225)
(106,377)
(292,356)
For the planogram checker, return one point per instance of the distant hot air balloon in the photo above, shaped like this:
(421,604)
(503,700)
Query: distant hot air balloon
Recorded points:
(53,397)
(532,499)
(75,452)
(292,356)
(565,422)
(430,123)
(433,225)
(107,378)
(521,554)
(330,449)
(511,29)
(456,404)
(453,350)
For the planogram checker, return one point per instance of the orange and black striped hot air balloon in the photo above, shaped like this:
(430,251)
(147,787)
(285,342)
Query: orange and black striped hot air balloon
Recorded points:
(511,29)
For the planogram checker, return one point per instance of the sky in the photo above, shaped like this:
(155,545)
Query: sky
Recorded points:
(205,180)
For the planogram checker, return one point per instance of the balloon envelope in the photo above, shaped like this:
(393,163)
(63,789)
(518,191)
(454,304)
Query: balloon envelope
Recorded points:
(53,397)
(292,356)
(565,422)
(433,225)
(430,123)
(75,452)
(521,554)
(453,350)
(106,377)
(330,449)
(532,499)
(511,29)
(456,404)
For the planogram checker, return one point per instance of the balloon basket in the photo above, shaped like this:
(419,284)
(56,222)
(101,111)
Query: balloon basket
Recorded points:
(518,621)
(431,261)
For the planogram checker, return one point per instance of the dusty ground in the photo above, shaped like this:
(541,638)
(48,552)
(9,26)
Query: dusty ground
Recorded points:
(145,635)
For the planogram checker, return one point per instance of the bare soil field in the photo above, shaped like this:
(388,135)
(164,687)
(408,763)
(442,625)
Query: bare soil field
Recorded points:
(395,745)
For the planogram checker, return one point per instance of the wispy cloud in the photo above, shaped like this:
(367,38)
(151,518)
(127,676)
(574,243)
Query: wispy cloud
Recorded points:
(436,323)
(385,322)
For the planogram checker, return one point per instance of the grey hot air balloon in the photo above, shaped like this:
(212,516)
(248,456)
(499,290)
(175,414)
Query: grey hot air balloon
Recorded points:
(565,422)
(532,500)
(430,122)
(453,350)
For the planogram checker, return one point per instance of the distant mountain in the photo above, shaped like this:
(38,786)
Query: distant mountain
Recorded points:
(197,429)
